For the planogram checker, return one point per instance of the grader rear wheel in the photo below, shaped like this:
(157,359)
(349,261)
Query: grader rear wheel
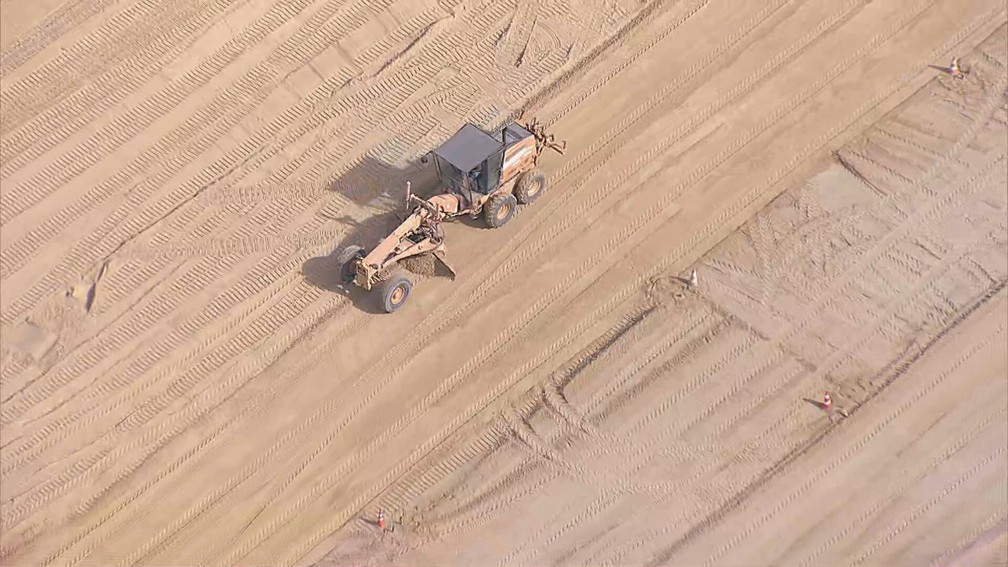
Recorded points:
(499,210)
(530,185)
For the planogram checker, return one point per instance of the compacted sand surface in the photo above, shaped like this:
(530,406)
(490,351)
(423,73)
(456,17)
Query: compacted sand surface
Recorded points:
(183,381)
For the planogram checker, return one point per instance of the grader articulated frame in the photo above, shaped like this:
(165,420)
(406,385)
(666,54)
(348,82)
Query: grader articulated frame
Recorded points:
(479,174)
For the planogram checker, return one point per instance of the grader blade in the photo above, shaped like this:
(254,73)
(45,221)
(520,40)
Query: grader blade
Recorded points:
(439,257)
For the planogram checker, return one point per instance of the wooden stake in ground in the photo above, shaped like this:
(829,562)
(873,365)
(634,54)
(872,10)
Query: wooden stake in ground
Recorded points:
(955,70)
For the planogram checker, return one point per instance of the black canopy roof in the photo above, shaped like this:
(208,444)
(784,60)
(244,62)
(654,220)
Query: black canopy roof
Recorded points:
(468,148)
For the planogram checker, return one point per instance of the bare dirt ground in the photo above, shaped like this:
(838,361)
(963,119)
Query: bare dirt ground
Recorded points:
(183,383)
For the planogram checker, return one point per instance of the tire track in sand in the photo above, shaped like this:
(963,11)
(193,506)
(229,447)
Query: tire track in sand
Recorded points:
(56,124)
(183,145)
(49,31)
(924,289)
(923,509)
(260,224)
(996,521)
(320,168)
(254,325)
(478,517)
(805,152)
(780,58)
(872,255)
(131,280)
(823,472)
(908,480)
(398,346)
(424,476)
(507,263)
(270,270)
(679,544)
(549,395)
(113,42)
(158,439)
(942,204)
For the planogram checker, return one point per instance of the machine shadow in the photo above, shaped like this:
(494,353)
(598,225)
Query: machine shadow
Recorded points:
(377,193)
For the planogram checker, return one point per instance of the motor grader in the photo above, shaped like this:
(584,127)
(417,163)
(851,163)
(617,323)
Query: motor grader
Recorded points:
(479,174)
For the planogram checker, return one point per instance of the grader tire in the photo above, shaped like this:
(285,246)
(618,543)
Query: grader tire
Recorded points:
(347,270)
(530,185)
(499,210)
(395,291)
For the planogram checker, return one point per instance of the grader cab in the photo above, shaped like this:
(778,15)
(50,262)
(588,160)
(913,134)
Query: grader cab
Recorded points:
(479,174)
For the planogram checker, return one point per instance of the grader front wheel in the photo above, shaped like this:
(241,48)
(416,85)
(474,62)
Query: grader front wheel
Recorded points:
(347,263)
(394,292)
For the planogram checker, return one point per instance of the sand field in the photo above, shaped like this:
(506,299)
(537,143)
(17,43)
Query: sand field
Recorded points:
(184,382)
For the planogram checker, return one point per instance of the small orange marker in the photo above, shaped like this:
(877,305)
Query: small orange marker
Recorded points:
(381,519)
